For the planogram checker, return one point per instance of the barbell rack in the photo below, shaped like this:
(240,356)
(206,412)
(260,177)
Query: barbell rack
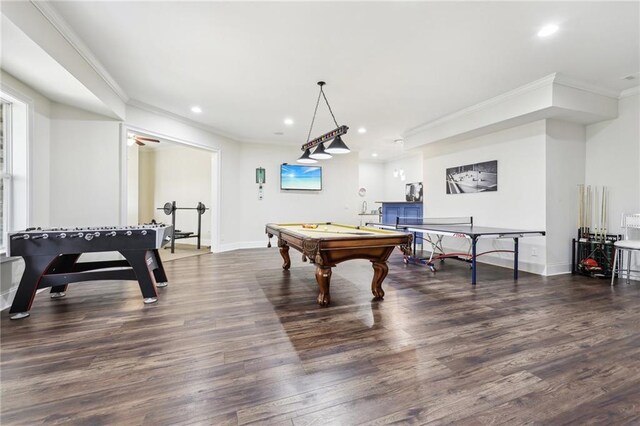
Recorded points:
(170,208)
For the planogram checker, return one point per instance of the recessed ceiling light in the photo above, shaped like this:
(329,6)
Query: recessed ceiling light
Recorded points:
(288,121)
(196,109)
(547,30)
(278,133)
(362,130)
(374,154)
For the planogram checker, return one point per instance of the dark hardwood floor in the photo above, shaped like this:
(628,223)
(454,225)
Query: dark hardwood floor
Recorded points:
(235,340)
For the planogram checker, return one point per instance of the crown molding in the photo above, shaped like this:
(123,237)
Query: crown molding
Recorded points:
(70,36)
(630,92)
(534,85)
(159,111)
(549,80)
(581,85)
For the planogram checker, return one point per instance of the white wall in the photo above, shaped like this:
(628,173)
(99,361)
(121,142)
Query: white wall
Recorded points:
(565,170)
(613,160)
(133,184)
(242,215)
(181,174)
(38,198)
(39,148)
(146,186)
(165,126)
(337,202)
(519,201)
(371,176)
(85,168)
(394,187)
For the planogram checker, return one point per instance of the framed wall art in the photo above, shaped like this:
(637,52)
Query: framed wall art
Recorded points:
(470,178)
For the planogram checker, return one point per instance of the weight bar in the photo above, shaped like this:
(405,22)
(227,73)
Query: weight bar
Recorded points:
(171,207)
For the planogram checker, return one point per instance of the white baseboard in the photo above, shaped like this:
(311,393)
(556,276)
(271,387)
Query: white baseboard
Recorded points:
(634,276)
(534,268)
(242,245)
(558,269)
(192,242)
(6,299)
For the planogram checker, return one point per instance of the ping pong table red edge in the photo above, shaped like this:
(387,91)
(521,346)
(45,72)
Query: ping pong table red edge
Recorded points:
(460,228)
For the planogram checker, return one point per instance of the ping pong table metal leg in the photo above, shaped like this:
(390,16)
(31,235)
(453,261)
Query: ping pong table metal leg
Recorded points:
(473,261)
(515,258)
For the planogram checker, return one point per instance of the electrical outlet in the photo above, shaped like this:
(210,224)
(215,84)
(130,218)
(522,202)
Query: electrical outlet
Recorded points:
(534,251)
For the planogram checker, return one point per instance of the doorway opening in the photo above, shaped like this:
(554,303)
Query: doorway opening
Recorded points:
(163,171)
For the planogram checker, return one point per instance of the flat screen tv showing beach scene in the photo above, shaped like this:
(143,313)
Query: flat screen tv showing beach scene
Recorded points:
(302,178)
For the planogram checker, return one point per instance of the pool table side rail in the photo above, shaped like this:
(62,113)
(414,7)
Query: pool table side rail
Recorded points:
(379,233)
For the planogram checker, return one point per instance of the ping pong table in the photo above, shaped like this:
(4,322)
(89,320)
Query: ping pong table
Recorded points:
(433,230)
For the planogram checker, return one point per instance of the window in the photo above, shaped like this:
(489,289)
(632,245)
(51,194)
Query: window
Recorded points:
(5,162)
(14,142)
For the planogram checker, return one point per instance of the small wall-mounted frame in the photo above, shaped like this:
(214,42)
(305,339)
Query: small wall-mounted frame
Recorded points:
(261,176)
(413,192)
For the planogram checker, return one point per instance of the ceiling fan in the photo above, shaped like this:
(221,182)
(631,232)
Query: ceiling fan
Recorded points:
(140,140)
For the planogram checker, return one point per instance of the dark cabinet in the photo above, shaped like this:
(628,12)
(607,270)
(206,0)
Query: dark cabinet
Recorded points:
(404,209)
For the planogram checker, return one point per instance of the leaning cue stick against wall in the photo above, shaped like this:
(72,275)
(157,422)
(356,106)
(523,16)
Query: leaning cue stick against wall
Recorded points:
(593,250)
(592,212)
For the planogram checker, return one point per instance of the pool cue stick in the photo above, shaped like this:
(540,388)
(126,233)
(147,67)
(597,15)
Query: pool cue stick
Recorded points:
(604,210)
(592,211)
(596,213)
(579,210)
(582,209)
(591,222)
(585,207)
(586,210)
(586,218)
(602,214)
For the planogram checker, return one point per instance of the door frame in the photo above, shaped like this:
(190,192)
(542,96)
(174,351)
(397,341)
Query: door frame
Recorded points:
(215,176)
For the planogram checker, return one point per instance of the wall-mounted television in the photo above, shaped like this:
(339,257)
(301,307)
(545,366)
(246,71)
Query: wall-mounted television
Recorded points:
(302,178)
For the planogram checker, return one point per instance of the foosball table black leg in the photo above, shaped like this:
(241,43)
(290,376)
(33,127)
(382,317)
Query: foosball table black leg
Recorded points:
(138,261)
(34,268)
(158,272)
(63,263)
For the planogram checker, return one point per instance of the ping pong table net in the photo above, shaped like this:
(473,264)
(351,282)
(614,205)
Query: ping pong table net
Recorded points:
(426,221)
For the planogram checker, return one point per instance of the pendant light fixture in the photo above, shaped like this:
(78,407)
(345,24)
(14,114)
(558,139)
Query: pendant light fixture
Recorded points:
(320,153)
(306,158)
(336,147)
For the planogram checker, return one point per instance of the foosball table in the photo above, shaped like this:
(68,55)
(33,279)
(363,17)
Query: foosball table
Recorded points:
(51,259)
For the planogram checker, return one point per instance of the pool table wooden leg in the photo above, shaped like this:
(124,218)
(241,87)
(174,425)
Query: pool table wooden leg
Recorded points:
(323,277)
(380,271)
(284,252)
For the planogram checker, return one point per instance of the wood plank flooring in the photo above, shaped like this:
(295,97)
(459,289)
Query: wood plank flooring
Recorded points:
(234,339)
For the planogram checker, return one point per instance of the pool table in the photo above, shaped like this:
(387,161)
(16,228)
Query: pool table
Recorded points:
(327,244)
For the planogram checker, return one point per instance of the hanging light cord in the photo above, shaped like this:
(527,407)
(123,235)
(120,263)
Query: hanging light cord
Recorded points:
(328,106)
(314,115)
(320,83)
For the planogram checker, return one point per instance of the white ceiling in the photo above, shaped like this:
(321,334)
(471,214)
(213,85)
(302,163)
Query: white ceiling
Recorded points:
(389,66)
(23,58)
